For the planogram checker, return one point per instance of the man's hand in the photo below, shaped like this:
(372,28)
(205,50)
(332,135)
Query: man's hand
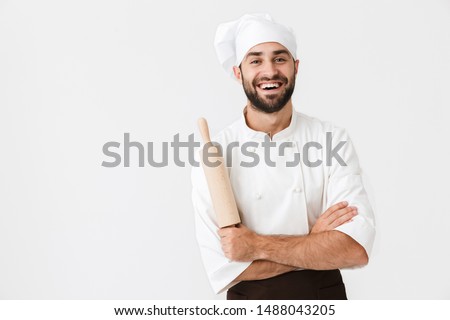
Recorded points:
(238,243)
(334,216)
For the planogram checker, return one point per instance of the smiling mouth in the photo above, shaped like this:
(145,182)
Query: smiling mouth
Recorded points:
(267,86)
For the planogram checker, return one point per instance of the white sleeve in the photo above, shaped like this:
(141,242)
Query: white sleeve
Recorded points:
(345,184)
(221,272)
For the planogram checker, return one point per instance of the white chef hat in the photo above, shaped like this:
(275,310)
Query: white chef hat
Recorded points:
(234,39)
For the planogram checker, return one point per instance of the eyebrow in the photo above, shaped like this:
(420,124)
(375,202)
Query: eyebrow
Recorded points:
(260,53)
(277,52)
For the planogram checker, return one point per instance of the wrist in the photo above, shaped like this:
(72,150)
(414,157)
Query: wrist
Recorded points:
(260,247)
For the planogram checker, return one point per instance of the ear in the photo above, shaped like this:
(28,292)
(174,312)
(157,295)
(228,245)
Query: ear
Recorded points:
(296,63)
(237,73)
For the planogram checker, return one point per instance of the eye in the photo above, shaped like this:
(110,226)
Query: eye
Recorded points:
(254,62)
(279,59)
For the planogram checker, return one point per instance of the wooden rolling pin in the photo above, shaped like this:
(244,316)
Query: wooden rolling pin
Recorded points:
(218,181)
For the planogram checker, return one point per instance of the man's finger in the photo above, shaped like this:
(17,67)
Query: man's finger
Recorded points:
(223,232)
(339,213)
(344,219)
(335,207)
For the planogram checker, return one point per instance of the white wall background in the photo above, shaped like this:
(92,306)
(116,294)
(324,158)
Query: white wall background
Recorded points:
(77,74)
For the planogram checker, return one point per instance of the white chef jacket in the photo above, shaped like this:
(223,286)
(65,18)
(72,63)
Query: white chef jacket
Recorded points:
(281,199)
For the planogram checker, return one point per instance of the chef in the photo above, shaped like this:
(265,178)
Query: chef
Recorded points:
(300,223)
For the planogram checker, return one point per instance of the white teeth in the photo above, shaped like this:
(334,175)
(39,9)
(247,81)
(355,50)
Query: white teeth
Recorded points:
(269,85)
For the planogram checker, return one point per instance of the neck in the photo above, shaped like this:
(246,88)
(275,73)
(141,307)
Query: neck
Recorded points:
(271,123)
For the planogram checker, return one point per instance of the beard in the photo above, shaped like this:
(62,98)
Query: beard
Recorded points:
(269,103)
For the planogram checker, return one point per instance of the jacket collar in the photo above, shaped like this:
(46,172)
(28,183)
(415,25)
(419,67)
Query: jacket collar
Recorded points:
(284,134)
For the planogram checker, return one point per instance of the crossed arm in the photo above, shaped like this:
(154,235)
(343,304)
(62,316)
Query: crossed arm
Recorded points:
(271,255)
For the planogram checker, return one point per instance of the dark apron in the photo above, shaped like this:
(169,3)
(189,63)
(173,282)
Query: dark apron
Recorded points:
(294,285)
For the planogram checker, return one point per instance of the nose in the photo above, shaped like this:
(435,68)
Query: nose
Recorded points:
(269,69)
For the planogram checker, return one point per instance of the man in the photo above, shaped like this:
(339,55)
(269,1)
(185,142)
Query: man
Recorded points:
(301,220)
